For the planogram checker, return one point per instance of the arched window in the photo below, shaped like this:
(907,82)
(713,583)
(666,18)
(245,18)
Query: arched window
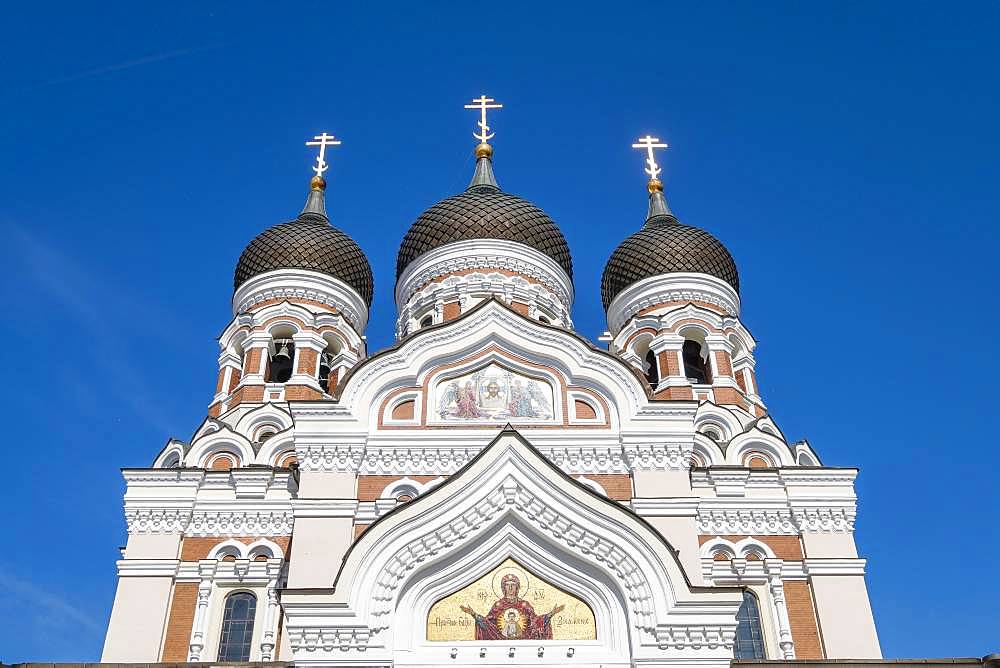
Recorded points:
(652,371)
(545,321)
(749,637)
(426,321)
(695,366)
(237,627)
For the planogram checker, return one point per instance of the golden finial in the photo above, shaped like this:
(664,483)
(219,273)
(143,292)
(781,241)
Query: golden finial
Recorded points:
(317,182)
(482,103)
(648,143)
(484,150)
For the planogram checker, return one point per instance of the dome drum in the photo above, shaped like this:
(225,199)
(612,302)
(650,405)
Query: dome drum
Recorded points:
(676,287)
(483,255)
(302,285)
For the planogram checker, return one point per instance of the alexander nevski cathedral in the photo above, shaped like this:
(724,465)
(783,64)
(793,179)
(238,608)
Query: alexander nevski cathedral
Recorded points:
(493,489)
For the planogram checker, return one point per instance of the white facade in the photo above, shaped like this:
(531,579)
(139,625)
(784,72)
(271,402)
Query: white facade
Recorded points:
(663,568)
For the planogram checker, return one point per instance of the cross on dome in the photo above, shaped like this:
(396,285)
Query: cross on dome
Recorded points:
(322,140)
(482,103)
(649,143)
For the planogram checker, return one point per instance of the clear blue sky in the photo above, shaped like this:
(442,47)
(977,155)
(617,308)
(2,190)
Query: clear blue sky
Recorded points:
(845,152)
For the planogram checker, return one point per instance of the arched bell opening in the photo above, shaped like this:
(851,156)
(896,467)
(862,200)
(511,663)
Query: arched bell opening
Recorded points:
(649,364)
(281,364)
(327,375)
(694,355)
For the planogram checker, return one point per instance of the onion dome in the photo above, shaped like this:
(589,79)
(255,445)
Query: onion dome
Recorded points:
(308,242)
(484,211)
(665,246)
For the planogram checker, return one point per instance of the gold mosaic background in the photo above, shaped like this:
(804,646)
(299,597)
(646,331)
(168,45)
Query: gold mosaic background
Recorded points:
(446,621)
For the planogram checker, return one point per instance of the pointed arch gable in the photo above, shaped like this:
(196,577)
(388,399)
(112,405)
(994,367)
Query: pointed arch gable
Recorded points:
(510,497)
(491,324)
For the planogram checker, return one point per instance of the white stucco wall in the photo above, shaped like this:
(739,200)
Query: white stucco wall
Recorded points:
(845,617)
(138,617)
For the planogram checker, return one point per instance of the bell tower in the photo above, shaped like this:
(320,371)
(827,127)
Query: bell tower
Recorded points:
(671,293)
(301,294)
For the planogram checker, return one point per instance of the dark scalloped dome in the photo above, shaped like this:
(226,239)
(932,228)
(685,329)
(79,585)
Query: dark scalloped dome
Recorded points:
(308,242)
(664,247)
(484,212)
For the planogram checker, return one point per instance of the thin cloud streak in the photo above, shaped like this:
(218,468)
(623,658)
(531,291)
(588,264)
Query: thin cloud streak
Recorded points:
(52,604)
(126,65)
(79,291)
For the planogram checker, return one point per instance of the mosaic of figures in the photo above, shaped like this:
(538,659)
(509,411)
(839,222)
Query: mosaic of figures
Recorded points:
(509,603)
(494,394)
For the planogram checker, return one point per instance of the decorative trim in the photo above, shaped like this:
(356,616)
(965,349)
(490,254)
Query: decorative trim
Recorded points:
(240,523)
(658,456)
(462,288)
(734,520)
(460,256)
(331,458)
(666,288)
(147,521)
(302,284)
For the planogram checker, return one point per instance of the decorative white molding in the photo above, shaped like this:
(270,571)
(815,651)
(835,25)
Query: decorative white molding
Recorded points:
(147,568)
(145,521)
(824,519)
(761,521)
(417,460)
(469,254)
(325,508)
(330,458)
(587,459)
(676,287)
(302,284)
(276,522)
(658,456)
(465,289)
(774,517)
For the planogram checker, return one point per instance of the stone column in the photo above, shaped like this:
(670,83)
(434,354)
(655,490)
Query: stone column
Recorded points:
(206,569)
(270,634)
(777,588)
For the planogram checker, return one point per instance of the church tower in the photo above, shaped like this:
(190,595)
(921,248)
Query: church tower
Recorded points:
(493,489)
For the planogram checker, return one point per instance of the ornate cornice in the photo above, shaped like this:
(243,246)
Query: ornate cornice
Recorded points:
(291,284)
(240,523)
(275,520)
(142,521)
(464,287)
(330,458)
(472,254)
(750,521)
(667,288)
(658,456)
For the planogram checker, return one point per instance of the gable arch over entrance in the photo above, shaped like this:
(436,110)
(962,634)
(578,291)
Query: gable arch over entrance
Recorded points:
(515,539)
(511,501)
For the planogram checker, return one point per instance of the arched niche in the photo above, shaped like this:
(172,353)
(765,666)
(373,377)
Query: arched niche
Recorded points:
(515,540)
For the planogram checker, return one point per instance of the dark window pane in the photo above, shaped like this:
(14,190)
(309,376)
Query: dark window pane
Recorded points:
(237,627)
(749,637)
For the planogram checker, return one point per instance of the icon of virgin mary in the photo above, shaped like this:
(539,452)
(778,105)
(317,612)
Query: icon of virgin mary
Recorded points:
(511,617)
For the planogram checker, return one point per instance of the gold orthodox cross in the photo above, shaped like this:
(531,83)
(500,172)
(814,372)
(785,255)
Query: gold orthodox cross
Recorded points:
(482,103)
(322,141)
